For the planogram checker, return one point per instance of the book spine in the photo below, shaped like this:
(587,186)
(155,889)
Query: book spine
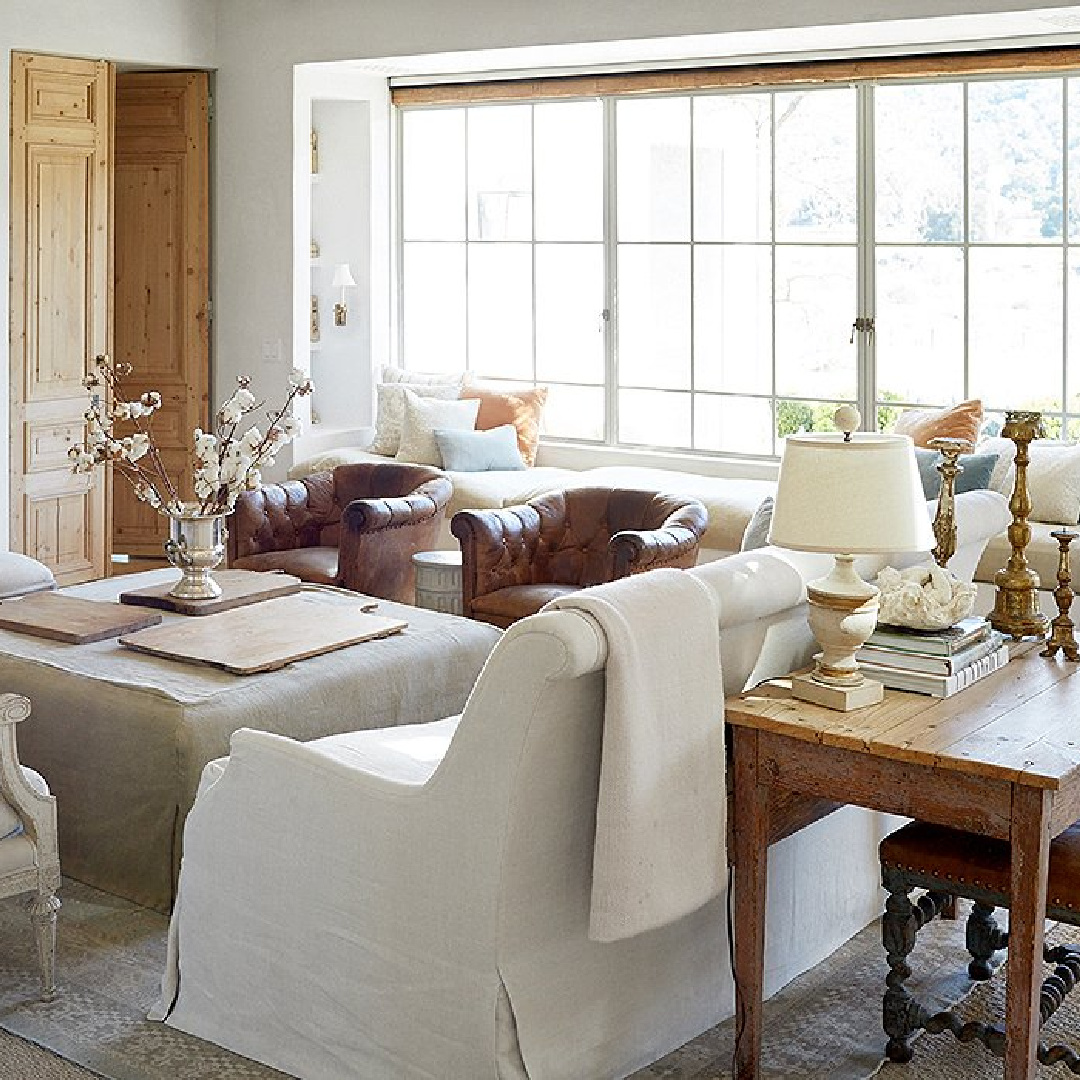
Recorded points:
(939,685)
(906,660)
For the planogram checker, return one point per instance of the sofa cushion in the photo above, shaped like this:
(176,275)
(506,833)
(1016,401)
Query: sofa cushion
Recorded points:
(480,451)
(390,410)
(522,408)
(422,417)
(1041,555)
(978,469)
(955,422)
(20,574)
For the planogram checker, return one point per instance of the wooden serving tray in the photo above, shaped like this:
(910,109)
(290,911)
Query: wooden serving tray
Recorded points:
(266,636)
(238,587)
(71,618)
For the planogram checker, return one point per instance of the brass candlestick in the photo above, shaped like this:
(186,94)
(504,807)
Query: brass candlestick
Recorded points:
(945,518)
(1061,627)
(1016,606)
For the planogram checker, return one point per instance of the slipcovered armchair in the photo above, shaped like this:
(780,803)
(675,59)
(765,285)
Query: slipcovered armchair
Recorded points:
(423,904)
(356,527)
(515,560)
(29,860)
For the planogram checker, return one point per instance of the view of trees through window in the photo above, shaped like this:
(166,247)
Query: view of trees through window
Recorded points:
(711,271)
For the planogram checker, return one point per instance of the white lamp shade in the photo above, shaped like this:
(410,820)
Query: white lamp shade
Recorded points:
(850,498)
(343,278)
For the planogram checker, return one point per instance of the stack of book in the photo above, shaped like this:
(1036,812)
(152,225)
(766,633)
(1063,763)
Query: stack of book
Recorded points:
(940,662)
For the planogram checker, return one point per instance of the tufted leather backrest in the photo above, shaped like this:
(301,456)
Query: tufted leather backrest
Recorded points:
(578,525)
(283,517)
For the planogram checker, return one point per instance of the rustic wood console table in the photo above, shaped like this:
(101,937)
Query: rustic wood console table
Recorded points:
(1000,758)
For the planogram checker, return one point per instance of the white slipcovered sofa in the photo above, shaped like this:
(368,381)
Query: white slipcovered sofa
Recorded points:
(414,902)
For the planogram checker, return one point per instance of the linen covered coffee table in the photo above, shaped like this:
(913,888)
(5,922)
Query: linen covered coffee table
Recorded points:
(122,736)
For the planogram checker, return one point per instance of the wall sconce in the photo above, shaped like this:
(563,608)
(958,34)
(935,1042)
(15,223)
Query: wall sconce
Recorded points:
(343,280)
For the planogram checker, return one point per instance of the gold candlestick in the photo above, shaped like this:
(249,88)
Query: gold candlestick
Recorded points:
(1016,606)
(1061,627)
(945,518)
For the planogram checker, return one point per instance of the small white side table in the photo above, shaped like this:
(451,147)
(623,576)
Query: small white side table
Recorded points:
(438,581)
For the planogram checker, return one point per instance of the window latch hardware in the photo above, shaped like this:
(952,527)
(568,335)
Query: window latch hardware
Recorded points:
(862,325)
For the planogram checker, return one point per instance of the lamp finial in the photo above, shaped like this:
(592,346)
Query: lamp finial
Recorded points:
(847,419)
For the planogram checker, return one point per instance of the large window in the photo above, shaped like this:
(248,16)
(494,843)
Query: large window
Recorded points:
(710,271)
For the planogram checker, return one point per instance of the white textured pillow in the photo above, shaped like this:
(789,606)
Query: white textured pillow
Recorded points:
(394,374)
(390,410)
(1053,477)
(423,416)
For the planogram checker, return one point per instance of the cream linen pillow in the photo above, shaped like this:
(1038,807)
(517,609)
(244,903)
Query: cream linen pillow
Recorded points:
(390,410)
(423,416)
(1053,477)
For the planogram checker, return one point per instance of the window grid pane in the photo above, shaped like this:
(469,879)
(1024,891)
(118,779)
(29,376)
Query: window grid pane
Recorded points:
(723,335)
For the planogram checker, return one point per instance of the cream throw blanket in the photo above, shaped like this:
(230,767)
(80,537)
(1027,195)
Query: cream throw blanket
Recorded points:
(661,808)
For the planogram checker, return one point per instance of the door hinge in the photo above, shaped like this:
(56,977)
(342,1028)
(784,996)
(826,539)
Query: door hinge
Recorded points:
(209,310)
(209,108)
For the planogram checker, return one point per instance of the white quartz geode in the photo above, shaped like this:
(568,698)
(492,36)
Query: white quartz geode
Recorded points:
(923,597)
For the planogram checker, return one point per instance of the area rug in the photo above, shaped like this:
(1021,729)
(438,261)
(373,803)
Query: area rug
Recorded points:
(826,1025)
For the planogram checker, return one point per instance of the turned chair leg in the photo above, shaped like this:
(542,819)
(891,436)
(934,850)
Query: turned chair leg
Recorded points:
(899,925)
(983,938)
(43,909)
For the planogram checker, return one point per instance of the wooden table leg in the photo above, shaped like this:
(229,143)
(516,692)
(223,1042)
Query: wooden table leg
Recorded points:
(751,813)
(1030,829)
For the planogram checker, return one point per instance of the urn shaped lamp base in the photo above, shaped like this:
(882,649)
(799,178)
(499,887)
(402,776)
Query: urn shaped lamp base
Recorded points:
(842,610)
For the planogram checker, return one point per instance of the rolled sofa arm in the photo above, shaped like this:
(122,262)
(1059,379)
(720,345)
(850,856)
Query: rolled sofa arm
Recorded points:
(372,515)
(674,543)
(497,549)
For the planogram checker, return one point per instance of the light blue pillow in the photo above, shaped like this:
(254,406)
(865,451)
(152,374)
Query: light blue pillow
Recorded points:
(479,451)
(977,471)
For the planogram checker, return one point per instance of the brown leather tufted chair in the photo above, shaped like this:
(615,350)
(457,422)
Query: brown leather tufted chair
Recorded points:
(356,527)
(516,559)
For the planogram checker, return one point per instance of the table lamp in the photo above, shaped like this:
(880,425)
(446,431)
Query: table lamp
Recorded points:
(847,493)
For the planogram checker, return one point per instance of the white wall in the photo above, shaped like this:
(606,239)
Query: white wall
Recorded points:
(255,44)
(173,33)
(259,42)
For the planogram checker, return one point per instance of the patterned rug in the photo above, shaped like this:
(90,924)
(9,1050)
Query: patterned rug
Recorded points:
(825,1025)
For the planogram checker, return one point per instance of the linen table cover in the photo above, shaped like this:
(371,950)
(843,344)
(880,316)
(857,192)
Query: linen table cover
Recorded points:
(123,736)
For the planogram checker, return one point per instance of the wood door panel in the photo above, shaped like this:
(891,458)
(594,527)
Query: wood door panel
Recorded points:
(65,98)
(146,305)
(162,273)
(61,271)
(60,526)
(59,331)
(46,443)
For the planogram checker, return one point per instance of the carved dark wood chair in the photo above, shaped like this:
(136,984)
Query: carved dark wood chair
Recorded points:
(949,863)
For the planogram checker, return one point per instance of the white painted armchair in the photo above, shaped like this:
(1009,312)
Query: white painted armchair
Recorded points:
(29,862)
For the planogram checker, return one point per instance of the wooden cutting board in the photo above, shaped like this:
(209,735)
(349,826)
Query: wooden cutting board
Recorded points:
(266,636)
(238,587)
(72,618)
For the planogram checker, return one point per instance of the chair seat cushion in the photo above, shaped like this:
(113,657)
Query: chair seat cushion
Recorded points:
(315,564)
(517,601)
(10,822)
(955,857)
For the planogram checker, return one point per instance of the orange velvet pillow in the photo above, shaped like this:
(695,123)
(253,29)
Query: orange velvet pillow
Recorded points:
(956,422)
(522,408)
